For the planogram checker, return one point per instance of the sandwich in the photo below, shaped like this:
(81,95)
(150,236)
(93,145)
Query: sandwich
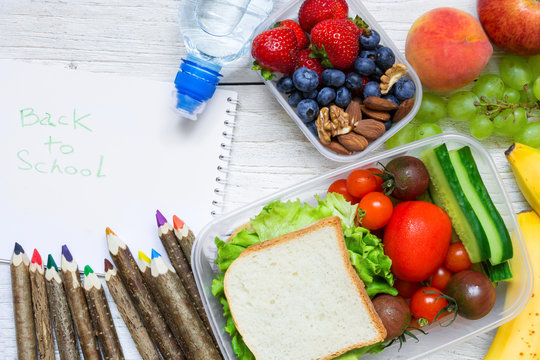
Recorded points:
(297,296)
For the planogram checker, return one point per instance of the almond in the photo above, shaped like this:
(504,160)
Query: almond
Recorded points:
(354,111)
(403,109)
(338,148)
(352,141)
(376,115)
(379,104)
(370,129)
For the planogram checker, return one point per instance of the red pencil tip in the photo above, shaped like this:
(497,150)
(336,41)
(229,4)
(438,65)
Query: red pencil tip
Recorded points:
(108,231)
(36,258)
(108,265)
(178,224)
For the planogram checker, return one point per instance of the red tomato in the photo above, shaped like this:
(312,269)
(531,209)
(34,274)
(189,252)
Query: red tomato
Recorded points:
(379,179)
(361,182)
(457,258)
(416,239)
(441,278)
(406,289)
(426,306)
(377,210)
(340,187)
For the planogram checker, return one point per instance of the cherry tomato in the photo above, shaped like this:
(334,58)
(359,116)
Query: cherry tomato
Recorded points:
(406,289)
(441,277)
(379,179)
(376,209)
(360,182)
(457,258)
(340,187)
(426,306)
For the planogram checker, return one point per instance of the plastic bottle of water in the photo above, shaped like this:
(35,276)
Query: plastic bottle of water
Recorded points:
(216,32)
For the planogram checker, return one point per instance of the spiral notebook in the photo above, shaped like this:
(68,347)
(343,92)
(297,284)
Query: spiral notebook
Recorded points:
(82,151)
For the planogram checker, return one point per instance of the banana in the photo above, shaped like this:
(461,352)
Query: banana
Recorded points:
(520,337)
(525,163)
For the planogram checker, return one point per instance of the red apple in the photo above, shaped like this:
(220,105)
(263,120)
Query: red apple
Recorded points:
(512,25)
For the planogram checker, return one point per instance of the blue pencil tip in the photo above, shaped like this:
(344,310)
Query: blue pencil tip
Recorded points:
(155,254)
(18,249)
(67,253)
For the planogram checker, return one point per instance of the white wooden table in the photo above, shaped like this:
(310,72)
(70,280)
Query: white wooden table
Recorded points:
(141,38)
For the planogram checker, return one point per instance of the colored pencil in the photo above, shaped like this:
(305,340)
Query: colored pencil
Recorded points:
(77,304)
(22,305)
(142,298)
(61,316)
(181,266)
(129,314)
(146,272)
(184,235)
(182,316)
(40,304)
(101,315)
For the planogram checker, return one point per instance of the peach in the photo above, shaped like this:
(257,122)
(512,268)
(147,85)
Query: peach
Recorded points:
(447,48)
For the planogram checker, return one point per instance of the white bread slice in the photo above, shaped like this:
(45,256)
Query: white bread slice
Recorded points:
(298,297)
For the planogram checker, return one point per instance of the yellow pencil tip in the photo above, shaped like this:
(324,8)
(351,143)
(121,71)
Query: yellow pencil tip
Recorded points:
(108,231)
(143,256)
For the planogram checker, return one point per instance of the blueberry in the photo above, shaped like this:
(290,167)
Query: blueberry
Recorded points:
(310,94)
(368,54)
(285,85)
(377,74)
(305,79)
(370,42)
(391,98)
(354,81)
(333,77)
(295,98)
(364,66)
(326,96)
(372,89)
(313,129)
(307,110)
(385,58)
(388,124)
(404,89)
(343,97)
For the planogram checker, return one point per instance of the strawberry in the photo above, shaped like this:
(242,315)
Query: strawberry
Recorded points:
(274,50)
(301,37)
(335,41)
(304,60)
(313,12)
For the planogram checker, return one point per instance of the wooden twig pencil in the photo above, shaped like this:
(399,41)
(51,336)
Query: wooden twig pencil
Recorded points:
(181,266)
(40,304)
(129,314)
(185,236)
(61,316)
(100,313)
(143,300)
(182,316)
(77,304)
(146,271)
(22,305)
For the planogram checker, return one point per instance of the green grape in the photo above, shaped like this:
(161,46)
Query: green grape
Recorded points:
(489,85)
(534,63)
(481,126)
(432,108)
(527,96)
(461,105)
(529,135)
(402,137)
(426,130)
(510,122)
(511,96)
(536,87)
(515,71)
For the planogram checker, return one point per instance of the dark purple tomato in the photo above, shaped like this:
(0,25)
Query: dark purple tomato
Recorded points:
(394,313)
(473,292)
(411,178)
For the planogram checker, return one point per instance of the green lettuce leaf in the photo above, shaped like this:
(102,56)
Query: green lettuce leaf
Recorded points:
(278,218)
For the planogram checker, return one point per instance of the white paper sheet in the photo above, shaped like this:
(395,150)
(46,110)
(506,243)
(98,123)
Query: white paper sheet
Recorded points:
(83,151)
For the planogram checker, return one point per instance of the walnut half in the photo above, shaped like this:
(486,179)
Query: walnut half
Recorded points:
(391,76)
(332,122)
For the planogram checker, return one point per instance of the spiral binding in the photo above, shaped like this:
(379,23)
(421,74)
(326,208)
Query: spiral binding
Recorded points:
(228,136)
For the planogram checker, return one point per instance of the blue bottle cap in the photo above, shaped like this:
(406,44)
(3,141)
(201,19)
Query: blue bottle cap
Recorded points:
(195,84)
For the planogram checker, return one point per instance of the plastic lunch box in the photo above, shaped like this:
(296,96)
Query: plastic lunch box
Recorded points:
(355,8)
(511,297)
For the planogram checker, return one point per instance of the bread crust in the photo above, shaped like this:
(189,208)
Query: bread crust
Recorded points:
(334,222)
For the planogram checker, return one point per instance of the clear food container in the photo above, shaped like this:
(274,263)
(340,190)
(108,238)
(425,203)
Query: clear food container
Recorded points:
(511,297)
(355,8)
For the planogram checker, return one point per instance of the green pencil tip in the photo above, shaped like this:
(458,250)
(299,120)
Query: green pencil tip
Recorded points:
(51,263)
(88,270)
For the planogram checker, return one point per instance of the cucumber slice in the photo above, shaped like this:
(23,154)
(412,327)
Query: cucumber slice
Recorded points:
(446,190)
(471,182)
(500,272)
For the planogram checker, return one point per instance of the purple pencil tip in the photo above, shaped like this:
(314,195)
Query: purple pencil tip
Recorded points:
(66,253)
(18,249)
(161,220)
